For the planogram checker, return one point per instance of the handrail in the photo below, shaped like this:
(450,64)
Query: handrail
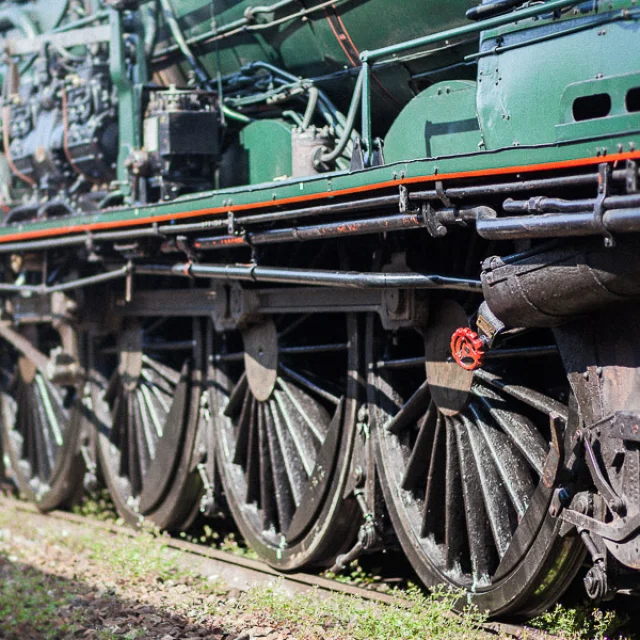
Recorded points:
(476,27)
(367,57)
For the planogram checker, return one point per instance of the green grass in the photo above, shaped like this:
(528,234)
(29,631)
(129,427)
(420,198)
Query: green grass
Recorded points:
(30,603)
(29,600)
(98,506)
(586,622)
(337,616)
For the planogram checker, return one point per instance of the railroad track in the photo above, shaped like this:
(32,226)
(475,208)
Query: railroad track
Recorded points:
(242,573)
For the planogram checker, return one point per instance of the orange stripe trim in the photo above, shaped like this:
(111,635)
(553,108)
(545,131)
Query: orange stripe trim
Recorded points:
(95,226)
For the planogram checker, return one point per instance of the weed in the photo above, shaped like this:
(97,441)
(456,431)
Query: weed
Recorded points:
(98,506)
(355,575)
(30,603)
(314,616)
(582,623)
(231,544)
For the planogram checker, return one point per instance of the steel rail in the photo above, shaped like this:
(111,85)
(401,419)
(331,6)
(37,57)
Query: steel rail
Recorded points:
(242,572)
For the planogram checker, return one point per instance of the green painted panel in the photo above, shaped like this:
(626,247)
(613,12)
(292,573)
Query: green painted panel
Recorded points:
(270,196)
(520,91)
(267,145)
(440,121)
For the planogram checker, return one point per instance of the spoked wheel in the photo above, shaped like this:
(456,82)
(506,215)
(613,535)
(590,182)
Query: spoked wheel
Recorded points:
(283,394)
(147,390)
(462,456)
(41,419)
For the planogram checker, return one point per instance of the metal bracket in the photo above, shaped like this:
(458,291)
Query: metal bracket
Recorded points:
(599,209)
(442,194)
(632,176)
(435,228)
(625,425)
(614,501)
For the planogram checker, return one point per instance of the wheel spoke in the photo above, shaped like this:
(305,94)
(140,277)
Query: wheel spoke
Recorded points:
(132,454)
(51,399)
(410,411)
(253,459)
(520,430)
(455,528)
(512,466)
(149,431)
(534,399)
(281,478)
(142,445)
(431,511)
(418,464)
(237,396)
(164,397)
(243,429)
(479,535)
(304,381)
(45,446)
(305,448)
(313,415)
(166,372)
(268,488)
(495,497)
(152,408)
(291,455)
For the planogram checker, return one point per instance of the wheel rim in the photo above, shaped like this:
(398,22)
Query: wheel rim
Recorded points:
(148,412)
(283,398)
(464,485)
(41,421)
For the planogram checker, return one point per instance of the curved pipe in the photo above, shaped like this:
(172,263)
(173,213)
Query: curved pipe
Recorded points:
(172,22)
(311,107)
(18,19)
(327,158)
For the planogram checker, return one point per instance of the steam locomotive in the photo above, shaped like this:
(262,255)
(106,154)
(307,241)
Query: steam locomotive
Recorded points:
(365,270)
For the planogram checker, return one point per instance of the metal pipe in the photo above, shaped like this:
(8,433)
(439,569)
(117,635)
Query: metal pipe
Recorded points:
(366,226)
(488,10)
(41,290)
(19,20)
(508,187)
(558,225)
(172,22)
(331,156)
(78,240)
(483,25)
(312,277)
(311,107)
(546,205)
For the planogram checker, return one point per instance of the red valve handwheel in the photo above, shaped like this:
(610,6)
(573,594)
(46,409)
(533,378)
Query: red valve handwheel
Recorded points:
(467,349)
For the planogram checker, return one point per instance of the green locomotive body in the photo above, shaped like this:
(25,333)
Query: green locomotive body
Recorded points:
(369,250)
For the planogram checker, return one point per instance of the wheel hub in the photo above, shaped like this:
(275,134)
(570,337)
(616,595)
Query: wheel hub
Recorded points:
(449,383)
(261,358)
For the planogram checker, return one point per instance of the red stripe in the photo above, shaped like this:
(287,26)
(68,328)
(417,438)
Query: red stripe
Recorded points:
(95,226)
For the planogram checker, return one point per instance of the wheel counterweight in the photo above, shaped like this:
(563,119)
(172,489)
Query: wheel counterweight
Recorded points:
(283,398)
(462,457)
